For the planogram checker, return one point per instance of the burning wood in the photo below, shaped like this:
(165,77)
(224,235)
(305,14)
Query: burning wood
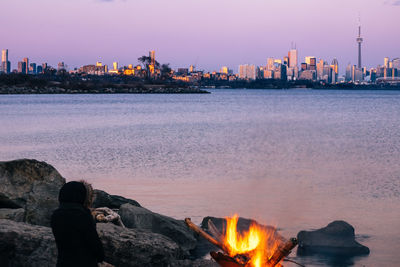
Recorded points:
(259,247)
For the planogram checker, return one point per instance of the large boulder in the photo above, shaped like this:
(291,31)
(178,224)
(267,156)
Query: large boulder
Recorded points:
(24,244)
(13,214)
(31,185)
(337,238)
(103,199)
(141,218)
(133,247)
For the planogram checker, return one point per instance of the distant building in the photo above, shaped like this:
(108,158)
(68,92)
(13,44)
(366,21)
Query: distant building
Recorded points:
(115,68)
(247,72)
(183,71)
(270,63)
(396,63)
(386,62)
(61,66)
(93,70)
(335,70)
(224,70)
(286,61)
(293,58)
(26,61)
(191,69)
(5,64)
(32,68)
(348,76)
(311,63)
(308,75)
(21,67)
(320,69)
(39,69)
(357,74)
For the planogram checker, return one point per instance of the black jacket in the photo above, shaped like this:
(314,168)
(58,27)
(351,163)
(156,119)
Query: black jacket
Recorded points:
(74,230)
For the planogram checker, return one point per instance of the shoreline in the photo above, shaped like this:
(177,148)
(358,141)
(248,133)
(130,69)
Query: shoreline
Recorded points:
(59,90)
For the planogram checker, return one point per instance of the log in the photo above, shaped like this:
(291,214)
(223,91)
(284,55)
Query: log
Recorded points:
(225,260)
(209,238)
(282,252)
(214,231)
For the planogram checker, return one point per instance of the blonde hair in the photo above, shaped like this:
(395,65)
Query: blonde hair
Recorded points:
(89,194)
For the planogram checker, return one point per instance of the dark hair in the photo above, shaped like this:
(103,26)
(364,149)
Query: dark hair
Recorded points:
(72,192)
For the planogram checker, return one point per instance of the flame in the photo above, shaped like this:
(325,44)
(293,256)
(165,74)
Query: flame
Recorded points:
(258,243)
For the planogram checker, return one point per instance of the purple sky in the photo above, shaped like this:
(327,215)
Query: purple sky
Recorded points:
(211,33)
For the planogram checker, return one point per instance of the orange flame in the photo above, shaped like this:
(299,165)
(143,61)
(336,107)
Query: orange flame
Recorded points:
(259,243)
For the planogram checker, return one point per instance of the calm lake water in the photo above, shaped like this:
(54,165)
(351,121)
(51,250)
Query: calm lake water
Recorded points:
(297,159)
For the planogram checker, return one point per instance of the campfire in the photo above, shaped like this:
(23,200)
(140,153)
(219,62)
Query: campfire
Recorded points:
(259,246)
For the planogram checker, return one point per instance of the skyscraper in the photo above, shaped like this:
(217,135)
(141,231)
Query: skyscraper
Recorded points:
(293,58)
(386,62)
(26,61)
(311,63)
(152,55)
(359,41)
(5,64)
(247,72)
(348,72)
(22,67)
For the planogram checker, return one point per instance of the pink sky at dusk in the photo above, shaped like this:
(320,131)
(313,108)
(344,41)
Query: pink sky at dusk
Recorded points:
(213,33)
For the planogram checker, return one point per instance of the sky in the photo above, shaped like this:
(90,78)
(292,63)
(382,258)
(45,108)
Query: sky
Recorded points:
(206,33)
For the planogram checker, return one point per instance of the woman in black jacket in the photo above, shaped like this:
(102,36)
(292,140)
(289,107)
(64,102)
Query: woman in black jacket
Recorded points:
(74,229)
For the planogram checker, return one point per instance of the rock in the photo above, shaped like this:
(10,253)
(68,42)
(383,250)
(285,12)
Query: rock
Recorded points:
(337,238)
(32,185)
(23,244)
(12,214)
(195,263)
(141,218)
(133,247)
(103,199)
(242,225)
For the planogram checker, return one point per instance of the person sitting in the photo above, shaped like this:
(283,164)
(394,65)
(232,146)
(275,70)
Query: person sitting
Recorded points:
(74,229)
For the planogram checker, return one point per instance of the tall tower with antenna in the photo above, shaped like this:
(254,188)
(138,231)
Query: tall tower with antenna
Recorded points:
(359,41)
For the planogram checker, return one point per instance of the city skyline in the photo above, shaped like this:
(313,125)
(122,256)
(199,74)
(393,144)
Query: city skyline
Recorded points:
(79,33)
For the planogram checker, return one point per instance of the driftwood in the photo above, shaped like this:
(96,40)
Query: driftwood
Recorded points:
(209,238)
(106,215)
(282,252)
(240,260)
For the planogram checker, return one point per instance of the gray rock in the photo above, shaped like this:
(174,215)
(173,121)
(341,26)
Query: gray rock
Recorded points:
(141,218)
(337,238)
(32,185)
(133,247)
(23,245)
(243,224)
(12,214)
(103,199)
(195,263)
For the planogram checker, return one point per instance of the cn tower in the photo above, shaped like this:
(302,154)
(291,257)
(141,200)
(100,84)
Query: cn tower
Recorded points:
(359,41)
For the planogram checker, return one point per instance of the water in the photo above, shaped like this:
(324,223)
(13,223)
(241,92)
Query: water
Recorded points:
(297,159)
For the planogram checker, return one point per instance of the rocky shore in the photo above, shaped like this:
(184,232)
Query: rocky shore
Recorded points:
(28,196)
